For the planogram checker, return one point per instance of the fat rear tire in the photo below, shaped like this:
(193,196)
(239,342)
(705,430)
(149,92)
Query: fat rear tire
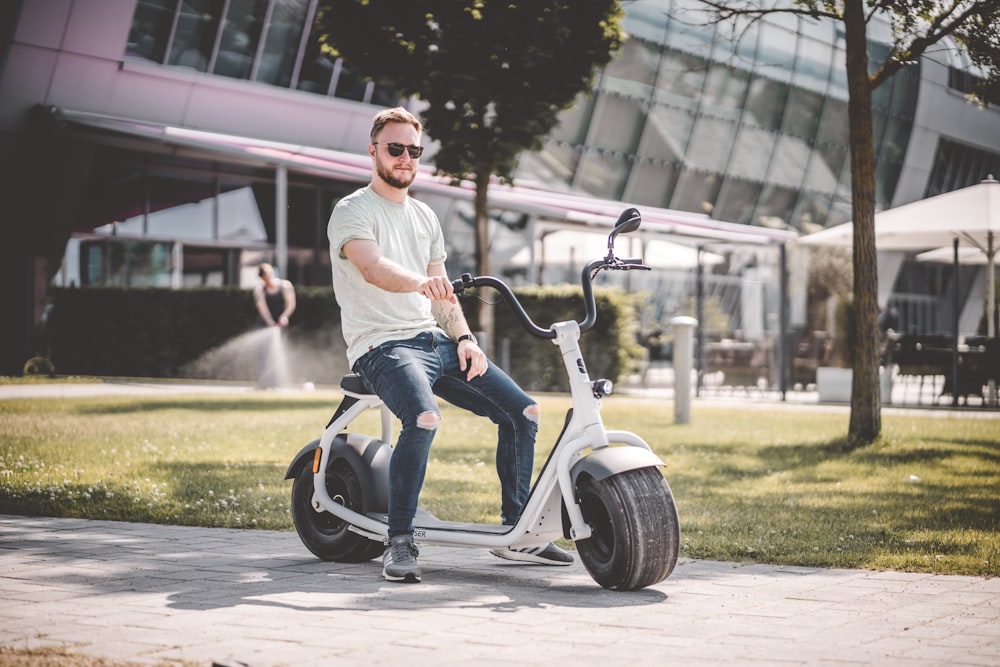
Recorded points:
(324,534)
(636,532)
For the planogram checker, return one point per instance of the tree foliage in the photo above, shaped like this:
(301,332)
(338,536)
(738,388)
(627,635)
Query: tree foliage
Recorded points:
(495,75)
(972,26)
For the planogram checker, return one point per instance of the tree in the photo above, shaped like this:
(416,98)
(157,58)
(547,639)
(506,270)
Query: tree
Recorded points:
(974,26)
(494,75)
(831,276)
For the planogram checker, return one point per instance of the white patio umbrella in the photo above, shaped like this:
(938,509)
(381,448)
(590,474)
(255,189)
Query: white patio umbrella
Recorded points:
(971,215)
(946,255)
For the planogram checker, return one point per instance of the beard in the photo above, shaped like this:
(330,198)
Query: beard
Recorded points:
(390,179)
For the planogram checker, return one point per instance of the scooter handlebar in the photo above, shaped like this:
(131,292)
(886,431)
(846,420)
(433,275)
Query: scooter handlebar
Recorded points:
(468,281)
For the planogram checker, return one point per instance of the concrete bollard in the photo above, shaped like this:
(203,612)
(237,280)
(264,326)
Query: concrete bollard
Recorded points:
(683,363)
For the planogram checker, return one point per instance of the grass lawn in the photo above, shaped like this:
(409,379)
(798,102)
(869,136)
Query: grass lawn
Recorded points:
(766,483)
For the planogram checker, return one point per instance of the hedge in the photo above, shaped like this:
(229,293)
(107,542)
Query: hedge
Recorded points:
(212,334)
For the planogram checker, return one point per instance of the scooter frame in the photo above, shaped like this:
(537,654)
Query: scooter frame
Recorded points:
(541,520)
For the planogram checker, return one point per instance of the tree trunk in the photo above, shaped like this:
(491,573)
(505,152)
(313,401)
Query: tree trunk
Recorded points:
(483,258)
(866,402)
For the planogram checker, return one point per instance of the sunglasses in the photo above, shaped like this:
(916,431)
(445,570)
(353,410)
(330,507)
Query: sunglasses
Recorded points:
(396,149)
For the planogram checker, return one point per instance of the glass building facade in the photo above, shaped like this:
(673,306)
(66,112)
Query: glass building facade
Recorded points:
(749,128)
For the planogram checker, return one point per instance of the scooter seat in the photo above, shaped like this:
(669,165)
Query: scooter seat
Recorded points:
(353,384)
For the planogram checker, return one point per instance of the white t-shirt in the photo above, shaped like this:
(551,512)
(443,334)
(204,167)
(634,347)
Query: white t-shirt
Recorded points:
(408,234)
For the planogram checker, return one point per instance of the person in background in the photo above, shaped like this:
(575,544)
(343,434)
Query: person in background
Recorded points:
(888,319)
(275,301)
(409,340)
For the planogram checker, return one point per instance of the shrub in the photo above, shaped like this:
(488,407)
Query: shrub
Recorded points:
(197,333)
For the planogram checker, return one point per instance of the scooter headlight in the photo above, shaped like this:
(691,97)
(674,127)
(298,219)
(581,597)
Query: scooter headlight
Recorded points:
(602,387)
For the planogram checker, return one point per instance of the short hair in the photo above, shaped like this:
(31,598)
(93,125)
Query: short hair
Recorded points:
(262,269)
(395,115)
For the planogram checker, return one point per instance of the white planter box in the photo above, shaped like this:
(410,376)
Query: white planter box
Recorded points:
(834,384)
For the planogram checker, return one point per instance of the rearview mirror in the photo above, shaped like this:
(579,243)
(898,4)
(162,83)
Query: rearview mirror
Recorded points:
(628,221)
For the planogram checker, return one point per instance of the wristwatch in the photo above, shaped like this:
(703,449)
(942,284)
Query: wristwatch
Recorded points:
(467,337)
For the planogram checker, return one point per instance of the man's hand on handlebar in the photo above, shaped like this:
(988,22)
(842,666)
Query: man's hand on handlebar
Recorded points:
(436,288)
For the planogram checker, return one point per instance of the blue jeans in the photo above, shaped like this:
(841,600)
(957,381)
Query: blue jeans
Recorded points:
(406,375)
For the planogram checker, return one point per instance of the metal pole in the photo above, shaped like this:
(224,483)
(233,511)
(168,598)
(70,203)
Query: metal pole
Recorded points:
(954,318)
(991,286)
(700,312)
(783,355)
(281,220)
(683,348)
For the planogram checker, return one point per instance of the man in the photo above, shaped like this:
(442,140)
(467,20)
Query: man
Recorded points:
(274,299)
(409,341)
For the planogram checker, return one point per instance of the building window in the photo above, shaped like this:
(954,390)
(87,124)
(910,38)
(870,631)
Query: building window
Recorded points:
(151,28)
(962,80)
(617,125)
(765,104)
(268,41)
(279,56)
(125,263)
(653,183)
(802,114)
(737,200)
(958,166)
(240,38)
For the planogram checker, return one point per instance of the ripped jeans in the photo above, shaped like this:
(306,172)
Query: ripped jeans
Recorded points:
(406,375)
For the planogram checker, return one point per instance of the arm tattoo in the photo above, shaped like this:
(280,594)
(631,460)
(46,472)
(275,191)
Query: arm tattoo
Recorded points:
(450,318)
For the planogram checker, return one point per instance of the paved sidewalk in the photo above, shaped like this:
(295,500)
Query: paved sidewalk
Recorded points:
(166,593)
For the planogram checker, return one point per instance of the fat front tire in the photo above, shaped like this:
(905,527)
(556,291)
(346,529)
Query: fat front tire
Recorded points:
(324,534)
(636,532)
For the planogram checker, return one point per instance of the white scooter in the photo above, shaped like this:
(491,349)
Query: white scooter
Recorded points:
(603,489)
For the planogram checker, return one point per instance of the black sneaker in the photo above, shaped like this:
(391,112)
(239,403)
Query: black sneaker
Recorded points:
(548,554)
(399,562)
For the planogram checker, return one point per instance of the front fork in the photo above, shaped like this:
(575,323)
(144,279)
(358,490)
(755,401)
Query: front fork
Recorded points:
(603,461)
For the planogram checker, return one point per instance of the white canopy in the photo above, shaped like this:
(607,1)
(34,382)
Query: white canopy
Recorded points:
(970,215)
(565,246)
(946,255)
